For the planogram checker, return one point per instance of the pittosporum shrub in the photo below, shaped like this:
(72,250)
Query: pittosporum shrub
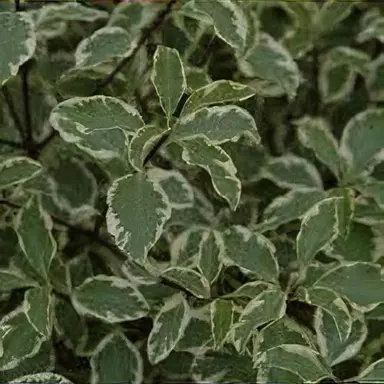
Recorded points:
(191,191)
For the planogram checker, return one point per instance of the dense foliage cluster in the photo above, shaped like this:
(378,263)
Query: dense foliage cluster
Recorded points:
(191,190)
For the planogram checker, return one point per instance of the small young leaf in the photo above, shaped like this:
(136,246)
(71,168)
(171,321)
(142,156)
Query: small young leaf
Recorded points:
(137,212)
(299,360)
(217,124)
(218,164)
(116,360)
(362,142)
(210,255)
(17,170)
(110,299)
(17,28)
(12,278)
(374,189)
(289,207)
(264,308)
(38,309)
(374,30)
(189,279)
(342,279)
(373,374)
(315,134)
(218,92)
(175,186)
(168,328)
(271,62)
(99,125)
(142,143)
(168,77)
(251,251)
(292,172)
(319,227)
(229,20)
(33,228)
(102,46)
(221,320)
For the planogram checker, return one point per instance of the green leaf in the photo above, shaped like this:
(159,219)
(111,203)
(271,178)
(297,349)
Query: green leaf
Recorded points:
(251,251)
(264,308)
(43,377)
(221,320)
(315,134)
(373,374)
(327,333)
(250,290)
(102,46)
(374,79)
(168,77)
(19,341)
(12,278)
(331,303)
(18,42)
(289,207)
(338,73)
(362,142)
(175,186)
(100,125)
(218,164)
(110,299)
(210,255)
(272,63)
(142,143)
(319,227)
(137,212)
(374,30)
(34,231)
(217,124)
(220,91)
(374,189)
(116,360)
(292,172)
(229,21)
(189,279)
(342,279)
(78,269)
(196,78)
(39,309)
(168,328)
(18,170)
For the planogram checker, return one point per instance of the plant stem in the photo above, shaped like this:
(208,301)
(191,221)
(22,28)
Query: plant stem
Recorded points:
(12,110)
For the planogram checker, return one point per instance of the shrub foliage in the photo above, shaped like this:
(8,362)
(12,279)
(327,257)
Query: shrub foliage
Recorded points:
(191,190)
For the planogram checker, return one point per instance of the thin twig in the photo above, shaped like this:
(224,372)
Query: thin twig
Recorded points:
(144,37)
(12,110)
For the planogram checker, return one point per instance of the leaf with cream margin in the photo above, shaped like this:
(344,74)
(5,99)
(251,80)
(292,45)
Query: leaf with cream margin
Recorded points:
(372,374)
(141,144)
(104,45)
(319,227)
(375,189)
(291,206)
(218,92)
(342,280)
(177,188)
(137,211)
(18,42)
(229,21)
(168,328)
(250,251)
(115,360)
(293,172)
(217,124)
(269,61)
(110,299)
(362,142)
(12,278)
(99,125)
(34,231)
(264,308)
(18,170)
(218,164)
(168,77)
(316,134)
(374,30)
(189,279)
(299,360)
(41,378)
